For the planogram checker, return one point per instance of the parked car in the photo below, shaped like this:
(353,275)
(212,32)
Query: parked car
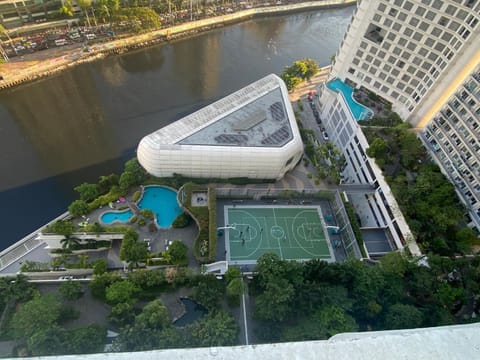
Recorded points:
(61,42)
(90,36)
(325,135)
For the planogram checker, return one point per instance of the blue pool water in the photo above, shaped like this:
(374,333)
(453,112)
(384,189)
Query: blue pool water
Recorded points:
(163,203)
(113,216)
(359,111)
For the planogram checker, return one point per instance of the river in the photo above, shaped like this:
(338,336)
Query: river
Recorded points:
(86,122)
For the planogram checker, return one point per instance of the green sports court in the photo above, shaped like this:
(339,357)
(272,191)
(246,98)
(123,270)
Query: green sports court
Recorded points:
(291,232)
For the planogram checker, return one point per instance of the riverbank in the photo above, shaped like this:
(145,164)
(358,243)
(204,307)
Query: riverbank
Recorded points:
(45,63)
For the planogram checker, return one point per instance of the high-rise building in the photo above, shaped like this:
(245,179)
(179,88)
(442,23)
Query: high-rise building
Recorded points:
(423,56)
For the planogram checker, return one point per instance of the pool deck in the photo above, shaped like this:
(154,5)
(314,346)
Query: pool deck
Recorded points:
(32,249)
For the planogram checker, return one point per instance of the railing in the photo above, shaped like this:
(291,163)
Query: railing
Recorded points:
(25,245)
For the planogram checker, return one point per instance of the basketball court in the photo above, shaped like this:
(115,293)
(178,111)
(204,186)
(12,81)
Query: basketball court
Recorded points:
(291,232)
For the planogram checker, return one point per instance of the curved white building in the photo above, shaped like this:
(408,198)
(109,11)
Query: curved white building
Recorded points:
(250,133)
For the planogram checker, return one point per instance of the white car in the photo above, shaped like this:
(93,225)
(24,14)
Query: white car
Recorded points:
(325,135)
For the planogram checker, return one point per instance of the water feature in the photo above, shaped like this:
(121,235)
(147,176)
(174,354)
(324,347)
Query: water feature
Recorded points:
(359,111)
(86,122)
(162,202)
(110,217)
(193,312)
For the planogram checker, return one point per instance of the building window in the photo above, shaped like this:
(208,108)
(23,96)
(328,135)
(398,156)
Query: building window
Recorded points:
(406,55)
(381,7)
(437,4)
(450,10)
(402,16)
(423,26)
(436,32)
(375,34)
(429,42)
(414,22)
(411,46)
(408,6)
(443,21)
(430,15)
(408,32)
(454,26)
(420,11)
(356,61)
(447,36)
(351,71)
(417,36)
(391,36)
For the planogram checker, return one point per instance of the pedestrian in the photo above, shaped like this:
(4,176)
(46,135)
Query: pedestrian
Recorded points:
(243,241)
(241,233)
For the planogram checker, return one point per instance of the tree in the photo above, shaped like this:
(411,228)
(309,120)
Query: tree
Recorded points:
(47,341)
(100,283)
(85,5)
(68,242)
(465,239)
(87,191)
(71,290)
(147,279)
(378,149)
(86,340)
(67,8)
(217,329)
(274,304)
(78,208)
(311,68)
(127,180)
(61,227)
(100,266)
(121,292)
(146,332)
(133,166)
(38,314)
(178,252)
(401,316)
(209,291)
(154,316)
(133,251)
(234,291)
(122,314)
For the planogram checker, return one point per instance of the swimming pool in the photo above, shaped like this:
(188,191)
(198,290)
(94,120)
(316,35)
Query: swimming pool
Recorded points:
(359,111)
(110,217)
(163,203)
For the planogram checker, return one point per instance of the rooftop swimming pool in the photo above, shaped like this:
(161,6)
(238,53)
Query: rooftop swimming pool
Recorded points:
(110,217)
(359,111)
(160,200)
(163,202)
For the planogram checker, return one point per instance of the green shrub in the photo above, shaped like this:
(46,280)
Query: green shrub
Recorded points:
(355,226)
(182,220)
(136,195)
(61,227)
(142,222)
(133,219)
(100,266)
(147,214)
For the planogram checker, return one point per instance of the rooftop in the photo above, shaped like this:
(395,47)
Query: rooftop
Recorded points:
(255,116)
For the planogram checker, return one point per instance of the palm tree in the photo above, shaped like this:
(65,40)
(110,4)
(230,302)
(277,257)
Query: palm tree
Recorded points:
(68,242)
